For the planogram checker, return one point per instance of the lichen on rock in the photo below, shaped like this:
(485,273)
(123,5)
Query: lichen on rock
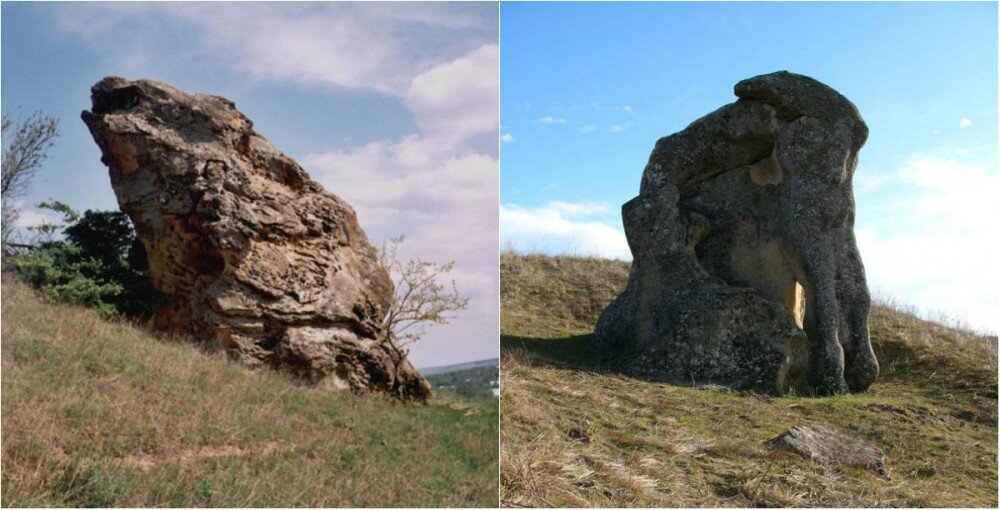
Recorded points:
(745,269)
(260,260)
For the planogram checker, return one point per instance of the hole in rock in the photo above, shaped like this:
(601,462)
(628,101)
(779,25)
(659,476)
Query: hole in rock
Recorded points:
(795,300)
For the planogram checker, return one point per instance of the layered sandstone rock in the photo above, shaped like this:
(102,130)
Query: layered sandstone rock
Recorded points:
(259,258)
(746,271)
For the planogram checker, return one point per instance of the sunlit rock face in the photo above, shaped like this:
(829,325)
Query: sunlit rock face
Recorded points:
(745,270)
(259,259)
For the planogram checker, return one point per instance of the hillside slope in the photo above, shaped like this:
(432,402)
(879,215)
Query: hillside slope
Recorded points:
(476,382)
(443,369)
(97,413)
(575,433)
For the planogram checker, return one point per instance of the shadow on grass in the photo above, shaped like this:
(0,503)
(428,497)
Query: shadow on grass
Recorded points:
(575,351)
(901,363)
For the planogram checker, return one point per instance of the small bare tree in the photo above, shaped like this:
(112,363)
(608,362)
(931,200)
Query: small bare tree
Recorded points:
(420,299)
(26,143)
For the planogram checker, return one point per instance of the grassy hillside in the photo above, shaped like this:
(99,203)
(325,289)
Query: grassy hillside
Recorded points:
(97,413)
(575,433)
(476,382)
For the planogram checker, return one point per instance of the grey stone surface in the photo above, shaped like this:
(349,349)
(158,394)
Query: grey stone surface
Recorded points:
(826,447)
(745,268)
(260,260)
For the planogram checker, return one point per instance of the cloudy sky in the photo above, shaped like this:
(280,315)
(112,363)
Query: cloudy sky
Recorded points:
(587,89)
(391,106)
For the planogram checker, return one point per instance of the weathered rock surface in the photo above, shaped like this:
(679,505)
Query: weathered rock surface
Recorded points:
(745,268)
(259,258)
(827,447)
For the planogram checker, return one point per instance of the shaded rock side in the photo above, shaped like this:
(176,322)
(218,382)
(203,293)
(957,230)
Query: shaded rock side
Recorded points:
(745,268)
(259,259)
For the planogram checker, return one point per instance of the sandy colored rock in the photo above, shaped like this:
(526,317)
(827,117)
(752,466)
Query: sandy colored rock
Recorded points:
(259,259)
(745,268)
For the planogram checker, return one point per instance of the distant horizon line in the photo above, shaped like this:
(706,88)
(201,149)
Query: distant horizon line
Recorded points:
(483,360)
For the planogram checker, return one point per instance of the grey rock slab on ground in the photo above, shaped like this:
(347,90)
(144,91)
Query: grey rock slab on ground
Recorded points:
(745,271)
(827,447)
(260,260)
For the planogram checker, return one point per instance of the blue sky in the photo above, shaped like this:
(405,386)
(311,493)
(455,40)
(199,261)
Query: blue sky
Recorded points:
(391,106)
(586,89)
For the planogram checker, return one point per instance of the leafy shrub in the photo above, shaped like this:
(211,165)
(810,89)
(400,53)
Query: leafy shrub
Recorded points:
(100,264)
(61,272)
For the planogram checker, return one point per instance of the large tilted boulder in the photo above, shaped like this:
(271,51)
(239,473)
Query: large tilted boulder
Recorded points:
(745,268)
(259,259)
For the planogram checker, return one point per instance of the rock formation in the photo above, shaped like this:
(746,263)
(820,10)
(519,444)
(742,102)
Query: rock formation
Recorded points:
(745,268)
(826,447)
(259,259)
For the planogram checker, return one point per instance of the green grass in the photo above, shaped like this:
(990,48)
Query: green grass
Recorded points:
(98,413)
(574,432)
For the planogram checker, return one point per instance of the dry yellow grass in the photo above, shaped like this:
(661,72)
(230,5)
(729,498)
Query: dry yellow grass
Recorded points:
(98,413)
(575,433)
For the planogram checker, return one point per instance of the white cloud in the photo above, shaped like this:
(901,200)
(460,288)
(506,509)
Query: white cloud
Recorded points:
(407,180)
(571,209)
(589,128)
(351,45)
(965,122)
(933,242)
(550,121)
(33,218)
(458,98)
(29,216)
(618,128)
(562,228)
(506,138)
(626,109)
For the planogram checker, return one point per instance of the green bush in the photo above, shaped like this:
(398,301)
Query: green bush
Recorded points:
(100,264)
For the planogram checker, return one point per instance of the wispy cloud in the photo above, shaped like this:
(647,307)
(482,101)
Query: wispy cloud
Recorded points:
(577,209)
(550,121)
(965,122)
(563,228)
(506,138)
(618,128)
(626,109)
(589,128)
